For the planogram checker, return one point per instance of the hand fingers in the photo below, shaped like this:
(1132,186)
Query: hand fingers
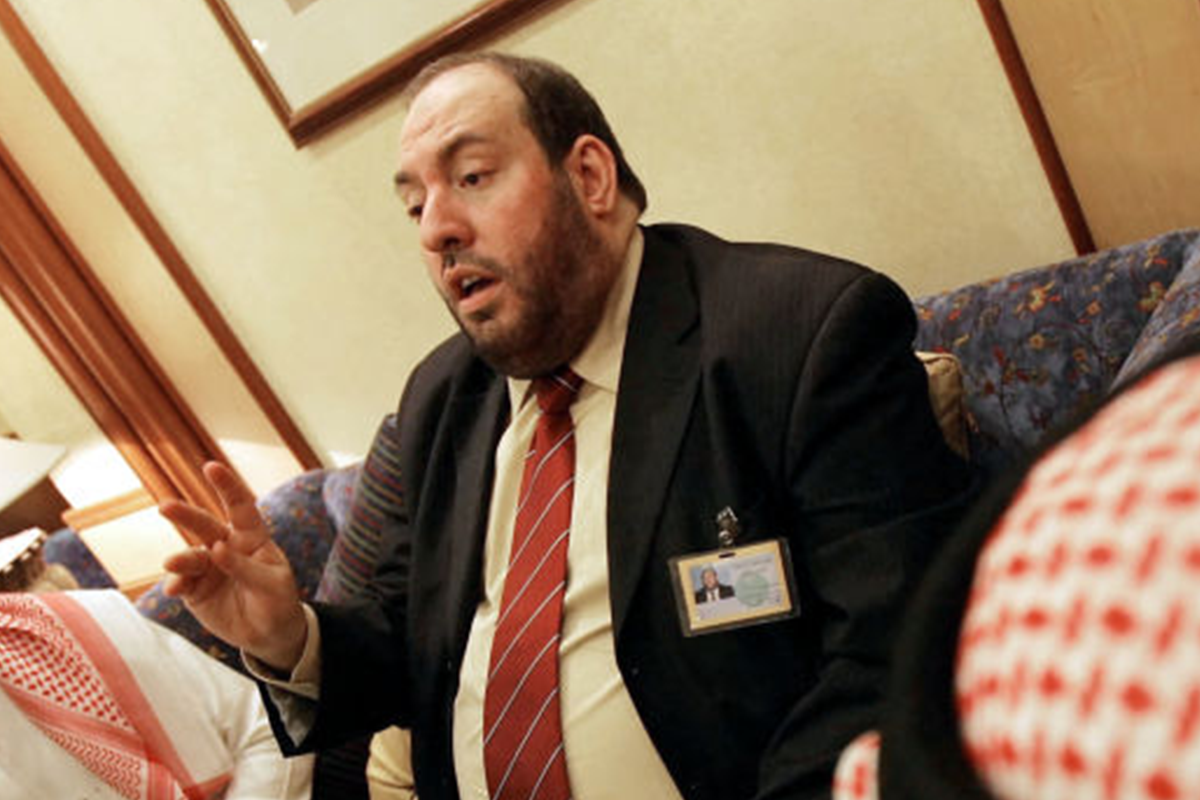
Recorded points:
(252,573)
(240,507)
(191,574)
(191,562)
(196,521)
(188,573)
(179,586)
(237,497)
(245,528)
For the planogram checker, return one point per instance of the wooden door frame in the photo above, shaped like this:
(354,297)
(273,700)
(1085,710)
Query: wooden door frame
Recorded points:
(57,297)
(1009,53)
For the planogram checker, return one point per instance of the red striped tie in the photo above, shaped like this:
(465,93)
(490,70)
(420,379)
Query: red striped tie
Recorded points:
(523,749)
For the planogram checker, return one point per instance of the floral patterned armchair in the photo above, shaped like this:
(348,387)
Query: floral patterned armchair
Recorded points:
(1039,346)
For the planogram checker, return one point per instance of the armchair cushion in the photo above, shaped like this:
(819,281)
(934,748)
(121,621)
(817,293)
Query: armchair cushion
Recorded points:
(1040,346)
(66,549)
(1176,318)
(946,396)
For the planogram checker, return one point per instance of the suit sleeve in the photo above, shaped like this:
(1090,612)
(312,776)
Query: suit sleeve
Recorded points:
(873,490)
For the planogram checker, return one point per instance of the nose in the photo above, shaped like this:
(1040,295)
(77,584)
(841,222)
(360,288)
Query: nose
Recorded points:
(444,224)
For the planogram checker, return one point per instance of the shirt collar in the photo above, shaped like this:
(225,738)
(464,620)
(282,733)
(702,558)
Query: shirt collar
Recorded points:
(599,363)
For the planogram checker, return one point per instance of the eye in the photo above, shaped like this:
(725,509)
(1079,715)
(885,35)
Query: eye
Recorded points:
(414,213)
(471,179)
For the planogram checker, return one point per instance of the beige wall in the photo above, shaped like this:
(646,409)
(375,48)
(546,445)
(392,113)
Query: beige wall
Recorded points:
(35,402)
(883,132)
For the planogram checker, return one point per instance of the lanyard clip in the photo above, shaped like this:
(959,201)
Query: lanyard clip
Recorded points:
(728,528)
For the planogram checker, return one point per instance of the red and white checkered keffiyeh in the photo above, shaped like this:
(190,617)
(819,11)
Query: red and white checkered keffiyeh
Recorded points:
(1078,671)
(60,664)
(857,774)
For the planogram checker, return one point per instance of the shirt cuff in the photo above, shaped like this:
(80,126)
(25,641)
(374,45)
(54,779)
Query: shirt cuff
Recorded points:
(294,695)
(305,677)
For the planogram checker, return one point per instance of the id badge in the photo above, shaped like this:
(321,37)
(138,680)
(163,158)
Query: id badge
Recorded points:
(734,586)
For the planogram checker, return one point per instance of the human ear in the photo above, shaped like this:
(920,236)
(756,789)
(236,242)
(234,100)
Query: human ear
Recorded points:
(593,171)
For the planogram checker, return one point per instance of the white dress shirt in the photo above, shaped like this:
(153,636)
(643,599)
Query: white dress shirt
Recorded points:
(601,728)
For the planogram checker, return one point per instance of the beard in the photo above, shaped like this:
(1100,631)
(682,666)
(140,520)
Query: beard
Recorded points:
(559,292)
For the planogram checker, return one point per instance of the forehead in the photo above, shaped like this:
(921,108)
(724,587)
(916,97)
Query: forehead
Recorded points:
(474,101)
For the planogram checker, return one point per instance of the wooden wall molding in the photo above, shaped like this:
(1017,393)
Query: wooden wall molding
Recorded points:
(91,394)
(54,293)
(131,200)
(1037,124)
(79,519)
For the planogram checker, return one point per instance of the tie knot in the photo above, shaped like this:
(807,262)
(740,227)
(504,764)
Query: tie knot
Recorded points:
(555,392)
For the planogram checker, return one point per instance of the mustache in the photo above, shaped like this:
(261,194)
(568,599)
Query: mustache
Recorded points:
(467,258)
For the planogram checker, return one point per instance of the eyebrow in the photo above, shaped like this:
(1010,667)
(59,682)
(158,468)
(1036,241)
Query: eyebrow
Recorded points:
(447,153)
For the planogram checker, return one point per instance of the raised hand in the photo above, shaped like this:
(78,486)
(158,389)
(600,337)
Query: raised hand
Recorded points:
(237,582)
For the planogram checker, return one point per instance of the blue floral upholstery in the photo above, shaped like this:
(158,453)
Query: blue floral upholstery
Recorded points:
(1039,346)
(66,548)
(303,516)
(1175,320)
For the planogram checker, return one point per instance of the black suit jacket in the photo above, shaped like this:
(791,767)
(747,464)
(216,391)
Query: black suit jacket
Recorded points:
(774,381)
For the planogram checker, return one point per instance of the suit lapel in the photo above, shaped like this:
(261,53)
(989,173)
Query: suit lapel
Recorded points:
(478,421)
(658,385)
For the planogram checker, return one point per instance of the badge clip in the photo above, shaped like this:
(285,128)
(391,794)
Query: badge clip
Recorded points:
(728,528)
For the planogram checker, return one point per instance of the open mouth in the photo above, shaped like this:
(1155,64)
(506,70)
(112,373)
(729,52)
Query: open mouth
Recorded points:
(472,284)
(473,290)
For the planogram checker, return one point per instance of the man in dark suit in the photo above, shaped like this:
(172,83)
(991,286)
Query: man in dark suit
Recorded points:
(773,382)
